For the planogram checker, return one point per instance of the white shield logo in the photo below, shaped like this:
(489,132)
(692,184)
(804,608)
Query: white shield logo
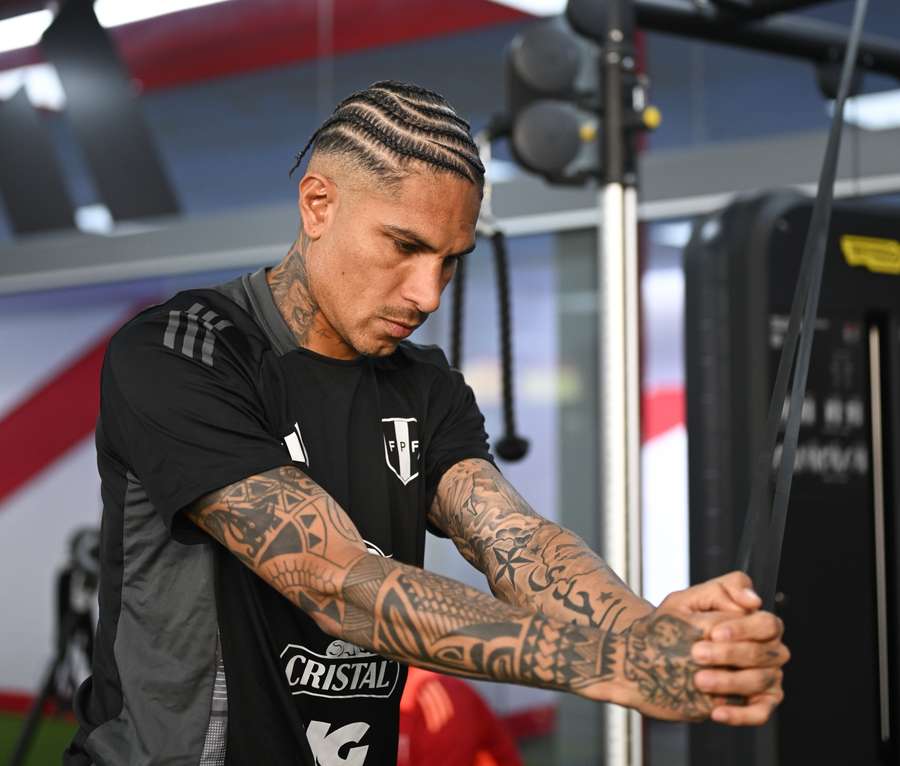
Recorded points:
(401,447)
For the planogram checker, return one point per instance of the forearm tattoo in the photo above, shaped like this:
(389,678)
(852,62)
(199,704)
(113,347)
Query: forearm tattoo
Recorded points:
(528,560)
(289,531)
(408,613)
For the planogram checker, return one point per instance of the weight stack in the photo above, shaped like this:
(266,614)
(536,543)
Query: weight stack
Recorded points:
(838,585)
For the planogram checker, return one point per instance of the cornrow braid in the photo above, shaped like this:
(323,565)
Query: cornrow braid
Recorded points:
(393,108)
(391,124)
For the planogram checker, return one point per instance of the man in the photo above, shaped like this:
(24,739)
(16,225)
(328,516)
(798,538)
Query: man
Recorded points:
(282,416)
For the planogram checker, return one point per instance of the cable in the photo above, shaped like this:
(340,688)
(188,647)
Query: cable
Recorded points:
(510,446)
(458,314)
(760,546)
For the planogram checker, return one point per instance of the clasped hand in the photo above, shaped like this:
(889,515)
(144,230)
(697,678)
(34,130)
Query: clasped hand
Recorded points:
(708,651)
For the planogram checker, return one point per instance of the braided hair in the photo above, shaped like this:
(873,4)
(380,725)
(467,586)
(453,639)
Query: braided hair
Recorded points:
(389,125)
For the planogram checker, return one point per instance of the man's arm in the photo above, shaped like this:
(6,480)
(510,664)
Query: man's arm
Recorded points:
(528,560)
(290,532)
(536,564)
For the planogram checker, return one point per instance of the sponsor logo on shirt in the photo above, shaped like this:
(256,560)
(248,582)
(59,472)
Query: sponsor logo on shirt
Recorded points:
(344,671)
(401,447)
(330,747)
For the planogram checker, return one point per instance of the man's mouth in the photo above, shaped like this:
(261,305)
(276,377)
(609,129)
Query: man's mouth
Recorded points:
(399,330)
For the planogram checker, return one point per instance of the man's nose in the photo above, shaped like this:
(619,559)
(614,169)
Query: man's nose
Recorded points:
(424,286)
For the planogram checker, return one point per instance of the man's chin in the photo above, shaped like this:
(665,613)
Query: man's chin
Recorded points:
(378,348)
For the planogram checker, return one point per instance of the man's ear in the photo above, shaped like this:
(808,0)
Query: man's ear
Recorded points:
(317,200)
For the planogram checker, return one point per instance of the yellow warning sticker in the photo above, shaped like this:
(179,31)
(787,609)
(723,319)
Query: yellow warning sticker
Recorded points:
(873,253)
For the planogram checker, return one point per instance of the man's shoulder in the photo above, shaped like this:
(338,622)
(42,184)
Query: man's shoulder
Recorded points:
(195,323)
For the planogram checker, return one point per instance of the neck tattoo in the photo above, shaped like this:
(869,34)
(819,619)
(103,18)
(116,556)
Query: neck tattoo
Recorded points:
(289,282)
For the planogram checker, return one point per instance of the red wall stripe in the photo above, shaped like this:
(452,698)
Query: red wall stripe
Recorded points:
(661,410)
(51,420)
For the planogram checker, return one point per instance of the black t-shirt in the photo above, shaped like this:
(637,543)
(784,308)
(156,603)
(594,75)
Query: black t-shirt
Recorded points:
(199,393)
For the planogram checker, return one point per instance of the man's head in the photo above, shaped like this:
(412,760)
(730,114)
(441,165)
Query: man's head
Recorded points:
(388,204)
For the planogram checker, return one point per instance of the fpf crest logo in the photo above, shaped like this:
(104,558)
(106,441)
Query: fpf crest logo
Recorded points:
(401,447)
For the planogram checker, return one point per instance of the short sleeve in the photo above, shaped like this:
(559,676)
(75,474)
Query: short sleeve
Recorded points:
(458,428)
(185,407)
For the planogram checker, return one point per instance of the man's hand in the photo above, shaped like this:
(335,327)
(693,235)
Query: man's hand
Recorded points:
(740,653)
(662,676)
(732,592)
(744,657)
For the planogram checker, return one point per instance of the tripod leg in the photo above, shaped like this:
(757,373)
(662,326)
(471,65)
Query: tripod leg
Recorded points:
(23,743)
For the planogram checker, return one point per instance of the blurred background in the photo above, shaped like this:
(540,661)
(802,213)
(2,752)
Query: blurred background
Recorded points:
(225,95)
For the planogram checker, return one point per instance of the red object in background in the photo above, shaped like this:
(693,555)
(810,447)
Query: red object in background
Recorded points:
(444,722)
(247,35)
(662,410)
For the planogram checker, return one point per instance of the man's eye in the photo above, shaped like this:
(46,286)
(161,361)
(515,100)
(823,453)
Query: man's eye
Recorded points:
(405,247)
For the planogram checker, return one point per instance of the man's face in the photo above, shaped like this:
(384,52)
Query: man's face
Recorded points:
(379,266)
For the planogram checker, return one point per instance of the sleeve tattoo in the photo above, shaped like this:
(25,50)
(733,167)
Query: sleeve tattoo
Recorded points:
(529,561)
(290,532)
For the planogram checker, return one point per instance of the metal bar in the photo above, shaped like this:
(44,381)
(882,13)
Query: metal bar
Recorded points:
(881,608)
(762,8)
(612,410)
(791,36)
(618,353)
(634,540)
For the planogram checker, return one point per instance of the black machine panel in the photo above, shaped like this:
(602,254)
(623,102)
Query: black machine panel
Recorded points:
(838,586)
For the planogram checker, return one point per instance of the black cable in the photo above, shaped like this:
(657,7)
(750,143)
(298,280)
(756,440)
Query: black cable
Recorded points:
(510,446)
(457,315)
(766,553)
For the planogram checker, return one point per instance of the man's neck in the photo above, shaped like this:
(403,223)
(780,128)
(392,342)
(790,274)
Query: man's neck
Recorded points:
(289,282)
(291,291)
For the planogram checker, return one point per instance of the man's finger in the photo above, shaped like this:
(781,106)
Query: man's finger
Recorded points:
(747,683)
(740,588)
(741,654)
(749,715)
(759,626)
(712,596)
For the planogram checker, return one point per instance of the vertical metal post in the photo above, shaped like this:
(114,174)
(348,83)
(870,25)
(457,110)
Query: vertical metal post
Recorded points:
(619,355)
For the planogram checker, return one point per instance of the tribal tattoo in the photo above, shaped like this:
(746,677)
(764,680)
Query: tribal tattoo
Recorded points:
(528,560)
(267,519)
(290,532)
(410,614)
(294,535)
